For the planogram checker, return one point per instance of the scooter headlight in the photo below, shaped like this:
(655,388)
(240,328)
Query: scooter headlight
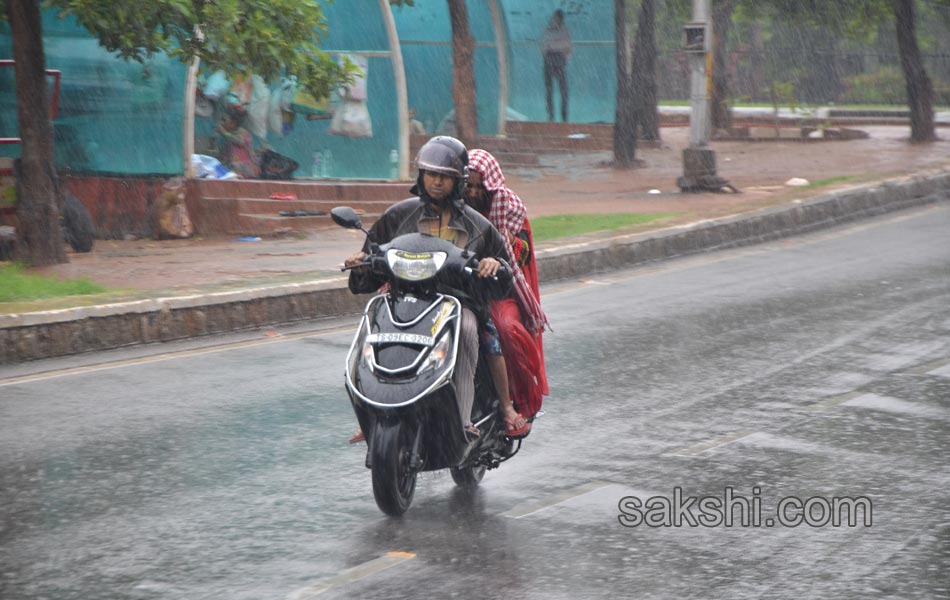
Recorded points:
(437,355)
(415,266)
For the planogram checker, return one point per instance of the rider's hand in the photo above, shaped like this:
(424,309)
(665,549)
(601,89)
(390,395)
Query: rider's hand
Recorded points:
(355,260)
(488,267)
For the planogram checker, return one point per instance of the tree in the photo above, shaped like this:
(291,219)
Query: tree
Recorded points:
(644,71)
(264,37)
(625,122)
(464,94)
(463,72)
(722,21)
(920,90)
(854,18)
(39,205)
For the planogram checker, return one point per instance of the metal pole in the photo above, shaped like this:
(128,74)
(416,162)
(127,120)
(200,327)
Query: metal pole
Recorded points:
(699,124)
(699,161)
(402,96)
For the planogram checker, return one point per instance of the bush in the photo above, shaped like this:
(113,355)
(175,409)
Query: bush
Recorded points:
(942,93)
(886,86)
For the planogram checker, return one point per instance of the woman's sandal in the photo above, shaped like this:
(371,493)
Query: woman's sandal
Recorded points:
(512,429)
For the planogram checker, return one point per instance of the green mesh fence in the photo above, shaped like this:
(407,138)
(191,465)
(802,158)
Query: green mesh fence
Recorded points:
(425,36)
(126,118)
(591,70)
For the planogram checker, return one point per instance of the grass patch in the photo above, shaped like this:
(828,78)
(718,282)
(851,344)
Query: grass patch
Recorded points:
(558,226)
(830,181)
(15,286)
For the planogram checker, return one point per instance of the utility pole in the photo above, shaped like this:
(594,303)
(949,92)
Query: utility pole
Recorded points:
(699,161)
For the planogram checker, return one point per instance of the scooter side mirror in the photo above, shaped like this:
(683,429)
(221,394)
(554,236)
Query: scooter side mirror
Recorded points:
(346,217)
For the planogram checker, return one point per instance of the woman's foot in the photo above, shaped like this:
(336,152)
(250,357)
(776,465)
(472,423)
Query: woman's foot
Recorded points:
(517,426)
(358,437)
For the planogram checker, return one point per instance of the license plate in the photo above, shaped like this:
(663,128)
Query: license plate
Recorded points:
(400,338)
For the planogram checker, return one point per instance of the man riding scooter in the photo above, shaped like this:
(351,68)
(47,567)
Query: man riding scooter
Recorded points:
(439,210)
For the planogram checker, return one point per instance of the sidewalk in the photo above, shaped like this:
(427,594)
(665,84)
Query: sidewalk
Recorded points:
(230,284)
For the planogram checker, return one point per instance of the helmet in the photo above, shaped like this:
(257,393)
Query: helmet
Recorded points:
(444,154)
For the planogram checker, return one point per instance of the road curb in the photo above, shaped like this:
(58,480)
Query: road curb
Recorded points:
(37,335)
(800,216)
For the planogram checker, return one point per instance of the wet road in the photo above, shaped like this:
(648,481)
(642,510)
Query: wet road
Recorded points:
(810,369)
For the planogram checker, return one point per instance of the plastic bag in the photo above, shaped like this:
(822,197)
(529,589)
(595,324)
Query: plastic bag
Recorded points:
(356,91)
(242,89)
(288,88)
(280,114)
(277,166)
(257,107)
(209,167)
(204,106)
(306,104)
(351,119)
(216,86)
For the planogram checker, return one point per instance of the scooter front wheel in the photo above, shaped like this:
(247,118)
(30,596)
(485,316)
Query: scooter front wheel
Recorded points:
(394,481)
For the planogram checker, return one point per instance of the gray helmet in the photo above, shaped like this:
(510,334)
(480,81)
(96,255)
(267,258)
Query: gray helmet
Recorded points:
(444,154)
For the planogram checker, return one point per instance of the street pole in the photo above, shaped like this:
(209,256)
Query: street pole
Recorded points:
(699,161)
(698,86)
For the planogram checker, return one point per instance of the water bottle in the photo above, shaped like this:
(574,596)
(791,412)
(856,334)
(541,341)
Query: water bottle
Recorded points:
(394,164)
(327,166)
(316,169)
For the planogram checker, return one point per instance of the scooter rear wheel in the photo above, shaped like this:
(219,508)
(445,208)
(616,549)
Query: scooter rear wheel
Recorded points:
(469,476)
(394,481)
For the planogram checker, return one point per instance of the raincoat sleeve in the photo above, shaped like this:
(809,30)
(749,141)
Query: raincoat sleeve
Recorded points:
(363,281)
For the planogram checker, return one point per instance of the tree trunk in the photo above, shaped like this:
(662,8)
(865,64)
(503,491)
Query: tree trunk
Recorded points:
(721,94)
(920,91)
(39,234)
(644,71)
(757,63)
(625,123)
(463,73)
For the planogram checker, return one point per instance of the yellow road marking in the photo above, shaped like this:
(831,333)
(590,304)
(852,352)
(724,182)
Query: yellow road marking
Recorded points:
(131,362)
(718,442)
(367,569)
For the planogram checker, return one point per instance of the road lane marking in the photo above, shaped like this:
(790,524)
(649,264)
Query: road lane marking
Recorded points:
(943,371)
(929,368)
(362,571)
(896,406)
(154,358)
(697,449)
(834,401)
(530,508)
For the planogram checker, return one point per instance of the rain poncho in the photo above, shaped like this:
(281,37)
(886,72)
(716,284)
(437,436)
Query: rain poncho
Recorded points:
(520,324)
(509,217)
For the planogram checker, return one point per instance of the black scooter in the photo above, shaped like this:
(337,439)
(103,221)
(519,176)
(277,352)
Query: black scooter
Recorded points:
(399,368)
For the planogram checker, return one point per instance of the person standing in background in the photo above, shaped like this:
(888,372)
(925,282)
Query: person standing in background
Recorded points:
(556,48)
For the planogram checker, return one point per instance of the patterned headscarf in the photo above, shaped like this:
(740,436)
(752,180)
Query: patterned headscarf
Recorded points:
(507,213)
